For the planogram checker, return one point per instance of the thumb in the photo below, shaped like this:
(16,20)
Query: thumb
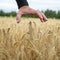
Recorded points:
(18,17)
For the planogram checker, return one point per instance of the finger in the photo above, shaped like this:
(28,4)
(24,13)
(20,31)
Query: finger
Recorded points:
(44,17)
(18,18)
(41,19)
(40,16)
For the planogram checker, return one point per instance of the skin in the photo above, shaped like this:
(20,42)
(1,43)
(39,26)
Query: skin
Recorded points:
(26,10)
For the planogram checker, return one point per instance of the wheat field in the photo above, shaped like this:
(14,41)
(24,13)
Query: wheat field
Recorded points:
(30,39)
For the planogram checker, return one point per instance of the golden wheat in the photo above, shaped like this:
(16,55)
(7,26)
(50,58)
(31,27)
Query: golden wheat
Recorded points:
(30,39)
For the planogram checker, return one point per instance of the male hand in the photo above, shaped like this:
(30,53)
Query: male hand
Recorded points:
(25,10)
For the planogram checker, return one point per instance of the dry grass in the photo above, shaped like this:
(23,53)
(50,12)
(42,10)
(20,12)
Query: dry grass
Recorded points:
(29,40)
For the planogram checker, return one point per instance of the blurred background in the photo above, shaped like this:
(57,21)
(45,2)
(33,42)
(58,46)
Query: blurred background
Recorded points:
(47,6)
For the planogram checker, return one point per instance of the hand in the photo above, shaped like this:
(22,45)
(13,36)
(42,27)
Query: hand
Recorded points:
(25,10)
